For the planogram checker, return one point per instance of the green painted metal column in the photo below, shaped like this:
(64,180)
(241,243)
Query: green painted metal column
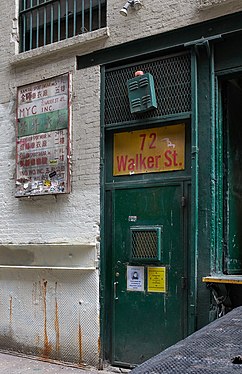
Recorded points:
(194,199)
(206,193)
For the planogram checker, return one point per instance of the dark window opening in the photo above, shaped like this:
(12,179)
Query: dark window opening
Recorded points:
(45,22)
(232,181)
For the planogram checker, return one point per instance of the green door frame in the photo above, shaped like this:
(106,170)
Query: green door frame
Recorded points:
(140,189)
(206,176)
(105,262)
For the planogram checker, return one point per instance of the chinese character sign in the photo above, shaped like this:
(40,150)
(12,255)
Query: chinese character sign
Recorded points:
(43,138)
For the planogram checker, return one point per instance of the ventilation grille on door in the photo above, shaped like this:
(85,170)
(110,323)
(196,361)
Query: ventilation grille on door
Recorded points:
(146,243)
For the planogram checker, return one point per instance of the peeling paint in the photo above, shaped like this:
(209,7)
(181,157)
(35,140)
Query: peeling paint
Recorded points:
(57,329)
(10,310)
(35,298)
(47,346)
(36,318)
(37,339)
(99,345)
(172,224)
(80,341)
(57,326)
(14,34)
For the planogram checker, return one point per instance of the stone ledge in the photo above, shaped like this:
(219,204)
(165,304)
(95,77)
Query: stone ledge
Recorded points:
(70,45)
(48,255)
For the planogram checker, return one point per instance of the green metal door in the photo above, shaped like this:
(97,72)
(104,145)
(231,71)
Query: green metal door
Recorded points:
(149,282)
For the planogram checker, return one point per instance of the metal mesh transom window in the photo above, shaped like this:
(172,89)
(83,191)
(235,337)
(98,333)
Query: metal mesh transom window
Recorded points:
(145,243)
(172,77)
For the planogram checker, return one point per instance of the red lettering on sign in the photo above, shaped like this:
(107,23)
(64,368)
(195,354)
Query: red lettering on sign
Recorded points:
(151,144)
(167,157)
(175,158)
(150,162)
(153,137)
(142,161)
(139,163)
(131,164)
(157,161)
(143,136)
(28,111)
(171,158)
(47,109)
(122,162)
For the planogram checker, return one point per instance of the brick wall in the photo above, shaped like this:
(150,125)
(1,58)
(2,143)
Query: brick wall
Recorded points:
(75,216)
(163,15)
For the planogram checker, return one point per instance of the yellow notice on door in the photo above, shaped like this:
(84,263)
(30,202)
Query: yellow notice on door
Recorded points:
(156,279)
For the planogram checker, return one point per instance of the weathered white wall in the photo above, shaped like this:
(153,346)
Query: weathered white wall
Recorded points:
(29,322)
(51,314)
(158,16)
(72,218)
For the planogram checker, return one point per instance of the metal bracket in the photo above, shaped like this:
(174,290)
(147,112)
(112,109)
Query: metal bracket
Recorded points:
(203,42)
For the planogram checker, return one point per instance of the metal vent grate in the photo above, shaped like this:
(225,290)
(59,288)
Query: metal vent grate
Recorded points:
(211,350)
(172,77)
(145,243)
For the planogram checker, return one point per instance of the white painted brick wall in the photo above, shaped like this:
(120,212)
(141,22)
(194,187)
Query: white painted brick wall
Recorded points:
(158,16)
(73,217)
(69,218)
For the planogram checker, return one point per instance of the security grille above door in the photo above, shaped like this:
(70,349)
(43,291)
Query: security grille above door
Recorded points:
(172,79)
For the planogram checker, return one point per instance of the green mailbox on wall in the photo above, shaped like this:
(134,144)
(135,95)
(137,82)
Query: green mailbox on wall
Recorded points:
(141,92)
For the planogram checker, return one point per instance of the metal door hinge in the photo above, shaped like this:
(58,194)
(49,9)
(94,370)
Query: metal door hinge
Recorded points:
(183,201)
(184,283)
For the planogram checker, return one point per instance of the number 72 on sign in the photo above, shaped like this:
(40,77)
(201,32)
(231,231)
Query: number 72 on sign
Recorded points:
(153,150)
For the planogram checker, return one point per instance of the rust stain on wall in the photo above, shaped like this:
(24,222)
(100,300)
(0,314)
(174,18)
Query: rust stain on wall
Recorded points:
(99,345)
(47,346)
(99,338)
(37,339)
(80,341)
(57,326)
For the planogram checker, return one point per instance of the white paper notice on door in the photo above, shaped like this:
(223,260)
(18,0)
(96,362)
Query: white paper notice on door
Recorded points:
(135,278)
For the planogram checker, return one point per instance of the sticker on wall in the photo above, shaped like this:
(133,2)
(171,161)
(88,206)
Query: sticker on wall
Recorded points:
(156,279)
(135,278)
(43,137)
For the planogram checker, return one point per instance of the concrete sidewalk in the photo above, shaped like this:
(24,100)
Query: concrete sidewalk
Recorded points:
(11,364)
